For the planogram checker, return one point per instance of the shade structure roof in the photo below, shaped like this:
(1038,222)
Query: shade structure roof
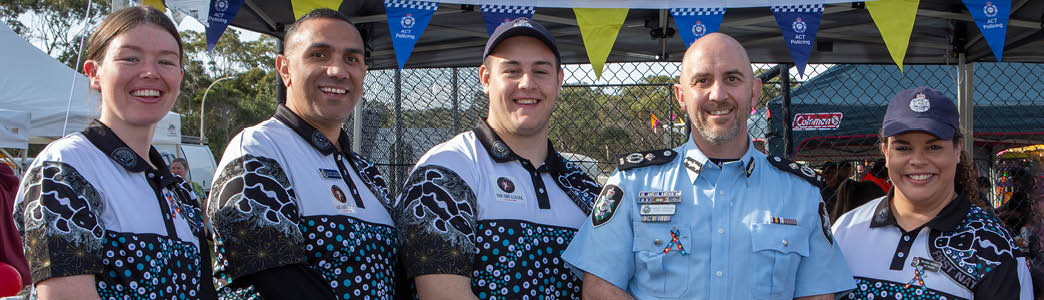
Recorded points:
(456,35)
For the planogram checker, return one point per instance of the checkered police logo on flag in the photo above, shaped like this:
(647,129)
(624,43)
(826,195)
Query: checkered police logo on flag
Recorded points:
(799,24)
(406,22)
(494,15)
(991,16)
(694,23)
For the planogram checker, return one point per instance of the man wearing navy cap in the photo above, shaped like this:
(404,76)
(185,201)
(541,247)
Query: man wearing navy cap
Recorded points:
(930,237)
(487,214)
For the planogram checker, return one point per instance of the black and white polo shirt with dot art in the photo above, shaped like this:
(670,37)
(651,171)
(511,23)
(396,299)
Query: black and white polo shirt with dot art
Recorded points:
(285,195)
(474,208)
(89,205)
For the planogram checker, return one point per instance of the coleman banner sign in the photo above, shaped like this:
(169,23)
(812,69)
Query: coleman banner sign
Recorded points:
(817,121)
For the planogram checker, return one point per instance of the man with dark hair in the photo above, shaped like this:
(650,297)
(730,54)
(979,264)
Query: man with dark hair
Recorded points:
(487,214)
(296,214)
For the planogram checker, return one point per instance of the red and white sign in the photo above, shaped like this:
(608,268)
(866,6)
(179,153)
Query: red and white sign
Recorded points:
(817,121)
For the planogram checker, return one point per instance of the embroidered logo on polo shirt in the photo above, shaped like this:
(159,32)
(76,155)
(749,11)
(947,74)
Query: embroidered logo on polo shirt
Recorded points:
(319,140)
(124,156)
(340,200)
(506,190)
(500,150)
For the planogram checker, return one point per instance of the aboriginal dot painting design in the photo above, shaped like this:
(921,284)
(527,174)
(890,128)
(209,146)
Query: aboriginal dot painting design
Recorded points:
(522,260)
(148,266)
(354,256)
(872,289)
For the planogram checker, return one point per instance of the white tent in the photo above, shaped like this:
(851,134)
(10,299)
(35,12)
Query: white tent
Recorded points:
(38,85)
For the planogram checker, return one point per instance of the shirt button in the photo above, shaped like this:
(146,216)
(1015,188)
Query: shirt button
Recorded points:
(541,190)
(721,230)
(900,254)
(719,273)
(906,238)
(786,243)
(657,242)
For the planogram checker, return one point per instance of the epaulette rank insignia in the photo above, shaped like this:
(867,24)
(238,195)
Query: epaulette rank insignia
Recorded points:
(795,168)
(646,158)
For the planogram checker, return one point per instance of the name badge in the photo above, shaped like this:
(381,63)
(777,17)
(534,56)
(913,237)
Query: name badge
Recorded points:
(657,209)
(659,197)
(928,264)
(506,190)
(329,174)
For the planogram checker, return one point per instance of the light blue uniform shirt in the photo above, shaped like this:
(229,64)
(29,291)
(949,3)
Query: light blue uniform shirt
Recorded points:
(734,249)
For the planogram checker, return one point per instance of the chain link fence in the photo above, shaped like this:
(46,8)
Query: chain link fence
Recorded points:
(834,112)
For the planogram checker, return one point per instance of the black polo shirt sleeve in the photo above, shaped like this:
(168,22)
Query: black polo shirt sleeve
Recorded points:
(436,215)
(1000,283)
(58,214)
(253,208)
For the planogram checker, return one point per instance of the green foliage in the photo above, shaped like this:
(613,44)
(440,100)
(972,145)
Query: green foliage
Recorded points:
(54,25)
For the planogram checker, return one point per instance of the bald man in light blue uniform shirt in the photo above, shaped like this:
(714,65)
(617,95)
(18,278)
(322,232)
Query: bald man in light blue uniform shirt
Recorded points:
(710,220)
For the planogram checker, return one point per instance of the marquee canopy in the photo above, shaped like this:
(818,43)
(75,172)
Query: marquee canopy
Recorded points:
(456,36)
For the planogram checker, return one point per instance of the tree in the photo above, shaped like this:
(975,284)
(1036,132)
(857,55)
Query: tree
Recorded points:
(56,26)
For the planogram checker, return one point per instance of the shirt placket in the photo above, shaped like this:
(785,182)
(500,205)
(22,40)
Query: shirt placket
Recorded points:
(719,179)
(345,171)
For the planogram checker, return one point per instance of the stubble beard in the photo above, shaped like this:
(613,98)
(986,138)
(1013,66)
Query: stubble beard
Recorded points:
(708,134)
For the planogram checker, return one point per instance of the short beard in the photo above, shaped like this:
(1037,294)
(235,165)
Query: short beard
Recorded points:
(718,139)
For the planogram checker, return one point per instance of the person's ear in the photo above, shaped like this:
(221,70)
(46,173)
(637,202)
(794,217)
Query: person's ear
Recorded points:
(90,68)
(484,77)
(283,66)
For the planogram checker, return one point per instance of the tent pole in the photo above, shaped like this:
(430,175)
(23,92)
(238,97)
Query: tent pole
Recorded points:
(280,86)
(788,131)
(965,103)
(456,104)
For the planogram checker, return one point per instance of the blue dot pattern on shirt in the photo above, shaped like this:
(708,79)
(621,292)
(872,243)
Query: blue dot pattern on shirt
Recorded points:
(522,260)
(872,289)
(148,266)
(354,256)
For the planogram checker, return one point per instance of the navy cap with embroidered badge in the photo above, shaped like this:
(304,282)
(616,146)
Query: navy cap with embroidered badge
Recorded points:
(521,26)
(921,109)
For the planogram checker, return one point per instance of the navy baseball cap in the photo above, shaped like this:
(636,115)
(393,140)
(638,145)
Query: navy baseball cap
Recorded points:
(521,27)
(921,109)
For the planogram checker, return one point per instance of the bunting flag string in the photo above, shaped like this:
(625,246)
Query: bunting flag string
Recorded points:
(894,19)
(303,7)
(991,16)
(599,28)
(494,15)
(799,24)
(221,14)
(407,20)
(196,9)
(694,23)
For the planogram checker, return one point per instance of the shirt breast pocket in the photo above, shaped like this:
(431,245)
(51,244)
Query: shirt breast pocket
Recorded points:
(778,250)
(656,271)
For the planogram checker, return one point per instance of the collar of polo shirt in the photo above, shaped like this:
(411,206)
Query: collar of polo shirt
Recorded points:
(310,134)
(106,140)
(947,219)
(501,152)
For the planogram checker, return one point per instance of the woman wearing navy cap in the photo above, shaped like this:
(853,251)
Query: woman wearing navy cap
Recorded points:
(930,236)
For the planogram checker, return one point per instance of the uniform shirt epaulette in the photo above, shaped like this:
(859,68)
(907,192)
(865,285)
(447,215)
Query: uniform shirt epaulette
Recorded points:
(795,168)
(645,158)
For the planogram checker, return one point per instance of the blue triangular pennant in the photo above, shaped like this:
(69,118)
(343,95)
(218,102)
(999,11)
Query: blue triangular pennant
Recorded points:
(494,15)
(991,16)
(694,23)
(406,22)
(799,24)
(221,13)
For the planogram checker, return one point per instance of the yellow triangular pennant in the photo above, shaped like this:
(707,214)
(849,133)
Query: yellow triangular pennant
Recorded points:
(158,4)
(599,27)
(895,20)
(302,7)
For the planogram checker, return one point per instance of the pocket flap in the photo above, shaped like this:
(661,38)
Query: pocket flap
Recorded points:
(656,237)
(780,238)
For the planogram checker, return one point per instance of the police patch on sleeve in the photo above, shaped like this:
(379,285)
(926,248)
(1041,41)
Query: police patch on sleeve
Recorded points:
(606,204)
(824,218)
